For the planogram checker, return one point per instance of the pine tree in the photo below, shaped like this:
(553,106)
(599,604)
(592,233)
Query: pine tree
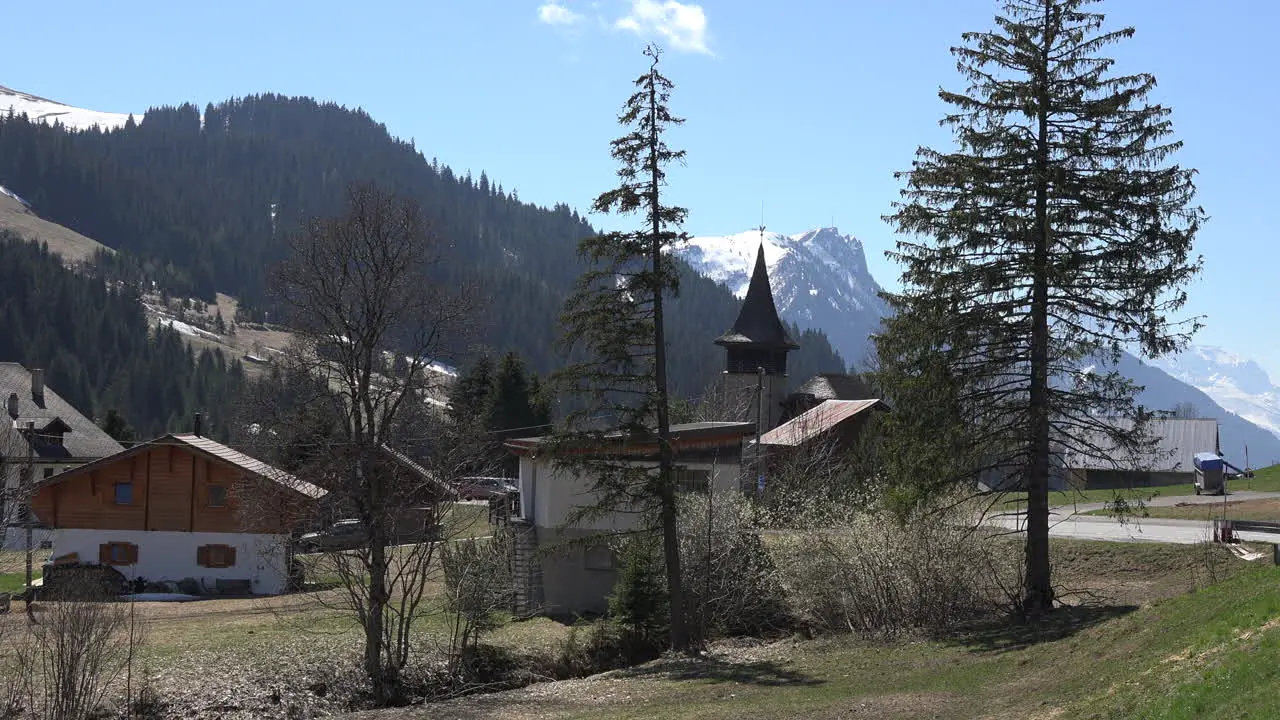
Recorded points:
(616,315)
(469,397)
(1055,234)
(512,405)
(117,427)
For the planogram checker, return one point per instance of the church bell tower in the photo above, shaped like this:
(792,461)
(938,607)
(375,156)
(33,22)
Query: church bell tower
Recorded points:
(756,349)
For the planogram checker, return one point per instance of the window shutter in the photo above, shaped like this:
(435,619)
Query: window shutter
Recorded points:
(131,553)
(230,556)
(202,556)
(104,553)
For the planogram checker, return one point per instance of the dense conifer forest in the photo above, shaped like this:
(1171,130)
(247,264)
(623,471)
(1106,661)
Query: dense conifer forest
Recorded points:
(200,207)
(98,352)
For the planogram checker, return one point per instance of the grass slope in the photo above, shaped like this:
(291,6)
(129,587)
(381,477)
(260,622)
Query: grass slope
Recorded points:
(71,245)
(1111,661)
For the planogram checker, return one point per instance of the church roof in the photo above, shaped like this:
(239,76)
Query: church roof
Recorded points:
(758,322)
(836,386)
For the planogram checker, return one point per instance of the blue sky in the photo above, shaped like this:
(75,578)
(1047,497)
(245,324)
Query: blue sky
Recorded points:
(808,107)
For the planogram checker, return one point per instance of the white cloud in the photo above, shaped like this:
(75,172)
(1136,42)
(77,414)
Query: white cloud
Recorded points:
(553,13)
(683,27)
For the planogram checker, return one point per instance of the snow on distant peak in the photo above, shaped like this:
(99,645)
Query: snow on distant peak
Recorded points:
(40,109)
(819,279)
(730,258)
(1233,381)
(1217,355)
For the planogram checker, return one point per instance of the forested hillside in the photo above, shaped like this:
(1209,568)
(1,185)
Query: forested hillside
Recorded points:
(204,207)
(98,354)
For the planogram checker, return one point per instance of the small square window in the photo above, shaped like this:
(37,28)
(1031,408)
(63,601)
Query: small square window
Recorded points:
(216,556)
(48,472)
(217,496)
(124,493)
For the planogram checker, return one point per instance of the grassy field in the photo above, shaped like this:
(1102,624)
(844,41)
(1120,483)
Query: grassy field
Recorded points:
(1265,480)
(13,570)
(1112,659)
(1267,510)
(1134,616)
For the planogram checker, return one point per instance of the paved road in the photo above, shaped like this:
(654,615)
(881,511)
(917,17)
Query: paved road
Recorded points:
(1066,521)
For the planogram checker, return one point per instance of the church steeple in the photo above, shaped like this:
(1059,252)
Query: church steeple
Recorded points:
(758,338)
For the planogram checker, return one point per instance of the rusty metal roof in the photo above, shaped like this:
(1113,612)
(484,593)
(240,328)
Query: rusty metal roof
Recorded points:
(818,420)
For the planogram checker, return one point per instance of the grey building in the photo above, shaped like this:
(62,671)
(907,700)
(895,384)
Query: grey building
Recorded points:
(1167,461)
(45,431)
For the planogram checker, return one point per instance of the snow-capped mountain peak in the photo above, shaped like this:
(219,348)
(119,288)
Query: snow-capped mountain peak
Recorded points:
(819,279)
(1234,382)
(40,109)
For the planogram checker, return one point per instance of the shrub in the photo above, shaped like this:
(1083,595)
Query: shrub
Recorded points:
(876,577)
(731,581)
(599,646)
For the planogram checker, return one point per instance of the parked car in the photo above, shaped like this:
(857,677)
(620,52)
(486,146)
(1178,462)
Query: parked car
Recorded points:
(483,488)
(409,525)
(342,535)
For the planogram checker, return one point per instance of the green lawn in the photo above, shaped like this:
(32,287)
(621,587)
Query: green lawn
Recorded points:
(1266,480)
(13,572)
(1264,510)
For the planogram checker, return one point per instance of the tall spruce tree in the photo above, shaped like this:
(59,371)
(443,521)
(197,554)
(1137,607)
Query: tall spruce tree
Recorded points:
(1057,234)
(615,317)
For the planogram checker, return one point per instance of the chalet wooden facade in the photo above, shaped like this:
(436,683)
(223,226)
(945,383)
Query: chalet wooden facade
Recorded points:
(178,507)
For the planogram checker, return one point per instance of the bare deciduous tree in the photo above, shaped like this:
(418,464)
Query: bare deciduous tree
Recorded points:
(371,318)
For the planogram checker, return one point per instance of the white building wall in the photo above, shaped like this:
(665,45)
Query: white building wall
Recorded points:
(559,491)
(261,559)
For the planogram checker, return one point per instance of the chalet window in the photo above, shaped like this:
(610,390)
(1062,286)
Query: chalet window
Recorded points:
(118,553)
(217,496)
(124,493)
(48,472)
(598,557)
(216,556)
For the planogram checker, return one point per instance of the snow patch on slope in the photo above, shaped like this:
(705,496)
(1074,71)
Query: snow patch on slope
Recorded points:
(38,109)
(188,329)
(9,193)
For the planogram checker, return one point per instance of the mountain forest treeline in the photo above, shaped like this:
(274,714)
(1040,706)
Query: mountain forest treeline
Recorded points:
(99,354)
(201,203)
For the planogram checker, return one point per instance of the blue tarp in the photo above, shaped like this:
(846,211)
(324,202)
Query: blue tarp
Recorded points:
(1208,461)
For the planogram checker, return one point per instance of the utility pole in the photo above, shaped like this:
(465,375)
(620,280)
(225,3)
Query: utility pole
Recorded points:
(28,475)
(760,432)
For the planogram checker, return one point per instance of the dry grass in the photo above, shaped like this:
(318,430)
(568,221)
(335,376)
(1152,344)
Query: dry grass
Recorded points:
(71,245)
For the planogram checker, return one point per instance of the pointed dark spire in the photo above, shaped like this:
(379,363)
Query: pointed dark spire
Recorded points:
(758,324)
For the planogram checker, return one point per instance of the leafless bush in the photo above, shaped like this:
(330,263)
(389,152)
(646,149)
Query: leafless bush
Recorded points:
(15,677)
(477,586)
(875,577)
(81,647)
(819,482)
(732,583)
